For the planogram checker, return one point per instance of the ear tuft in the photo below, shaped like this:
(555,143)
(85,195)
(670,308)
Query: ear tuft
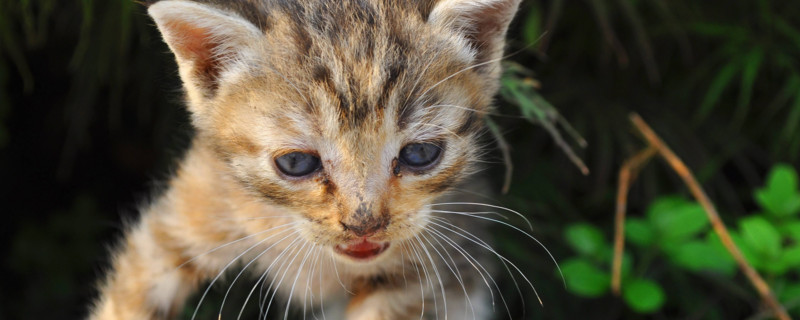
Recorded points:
(206,42)
(483,23)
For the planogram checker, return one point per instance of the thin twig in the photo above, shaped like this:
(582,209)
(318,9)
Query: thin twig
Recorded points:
(627,174)
(719,227)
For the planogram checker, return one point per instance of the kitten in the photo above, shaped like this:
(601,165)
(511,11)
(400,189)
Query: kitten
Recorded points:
(332,140)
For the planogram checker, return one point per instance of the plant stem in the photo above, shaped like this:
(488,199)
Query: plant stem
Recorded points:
(627,174)
(719,227)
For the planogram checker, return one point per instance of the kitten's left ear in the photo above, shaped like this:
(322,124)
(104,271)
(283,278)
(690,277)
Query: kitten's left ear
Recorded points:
(483,23)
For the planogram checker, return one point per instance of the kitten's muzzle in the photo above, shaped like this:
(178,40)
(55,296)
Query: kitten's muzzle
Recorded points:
(364,223)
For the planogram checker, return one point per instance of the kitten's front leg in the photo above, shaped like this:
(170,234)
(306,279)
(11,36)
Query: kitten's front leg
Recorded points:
(385,304)
(408,302)
(147,280)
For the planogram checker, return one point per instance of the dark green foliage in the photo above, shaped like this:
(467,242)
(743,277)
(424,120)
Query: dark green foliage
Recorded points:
(673,232)
(90,115)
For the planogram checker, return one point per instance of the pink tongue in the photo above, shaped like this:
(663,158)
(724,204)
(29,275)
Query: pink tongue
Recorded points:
(361,250)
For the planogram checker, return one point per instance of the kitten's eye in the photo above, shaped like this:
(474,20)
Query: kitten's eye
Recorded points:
(297,164)
(420,155)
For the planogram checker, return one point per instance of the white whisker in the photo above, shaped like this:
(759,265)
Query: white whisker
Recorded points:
(479,268)
(208,288)
(275,291)
(264,275)
(481,241)
(498,255)
(472,213)
(232,242)
(530,225)
(299,271)
(225,298)
(336,269)
(527,235)
(456,272)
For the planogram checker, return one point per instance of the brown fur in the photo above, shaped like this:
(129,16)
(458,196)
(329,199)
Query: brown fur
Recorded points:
(350,82)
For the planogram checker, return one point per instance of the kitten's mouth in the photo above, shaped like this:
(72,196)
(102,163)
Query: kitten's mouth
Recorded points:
(362,250)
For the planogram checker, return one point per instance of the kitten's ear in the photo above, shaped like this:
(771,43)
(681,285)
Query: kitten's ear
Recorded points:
(207,42)
(483,23)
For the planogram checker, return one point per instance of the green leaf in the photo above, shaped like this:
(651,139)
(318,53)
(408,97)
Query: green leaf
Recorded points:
(584,279)
(639,232)
(791,230)
(790,293)
(718,85)
(761,236)
(703,256)
(643,296)
(790,258)
(676,219)
(585,239)
(780,197)
(746,251)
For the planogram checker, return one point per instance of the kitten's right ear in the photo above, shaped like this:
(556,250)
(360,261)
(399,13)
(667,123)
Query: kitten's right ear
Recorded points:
(207,43)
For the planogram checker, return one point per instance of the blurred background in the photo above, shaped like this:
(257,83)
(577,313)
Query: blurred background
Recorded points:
(91,124)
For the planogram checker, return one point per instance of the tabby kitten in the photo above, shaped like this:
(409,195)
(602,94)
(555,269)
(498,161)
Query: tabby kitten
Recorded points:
(334,147)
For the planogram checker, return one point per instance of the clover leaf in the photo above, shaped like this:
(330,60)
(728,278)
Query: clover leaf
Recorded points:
(780,197)
(585,279)
(643,296)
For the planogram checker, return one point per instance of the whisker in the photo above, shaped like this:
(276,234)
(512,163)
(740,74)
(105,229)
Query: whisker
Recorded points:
(286,264)
(225,298)
(455,272)
(264,275)
(308,293)
(275,292)
(208,288)
(438,276)
(530,225)
(221,218)
(527,235)
(474,110)
(321,300)
(473,213)
(476,238)
(479,268)
(498,255)
(450,132)
(475,66)
(232,242)
(336,269)
(405,246)
(459,72)
(299,270)
(428,279)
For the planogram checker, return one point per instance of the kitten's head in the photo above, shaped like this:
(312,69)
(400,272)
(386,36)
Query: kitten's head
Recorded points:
(352,115)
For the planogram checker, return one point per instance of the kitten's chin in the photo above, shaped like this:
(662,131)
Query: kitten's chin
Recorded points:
(361,250)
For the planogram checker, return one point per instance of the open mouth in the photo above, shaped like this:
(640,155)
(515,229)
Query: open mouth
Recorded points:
(362,250)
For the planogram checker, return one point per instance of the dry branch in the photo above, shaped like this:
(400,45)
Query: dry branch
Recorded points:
(627,174)
(719,227)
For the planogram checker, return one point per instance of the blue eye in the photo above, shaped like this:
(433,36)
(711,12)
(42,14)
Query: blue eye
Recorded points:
(420,155)
(297,164)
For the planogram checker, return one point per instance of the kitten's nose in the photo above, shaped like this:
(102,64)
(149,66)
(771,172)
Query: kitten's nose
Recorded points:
(363,221)
(364,226)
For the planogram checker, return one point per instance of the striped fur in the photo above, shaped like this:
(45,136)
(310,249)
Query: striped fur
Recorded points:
(351,81)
